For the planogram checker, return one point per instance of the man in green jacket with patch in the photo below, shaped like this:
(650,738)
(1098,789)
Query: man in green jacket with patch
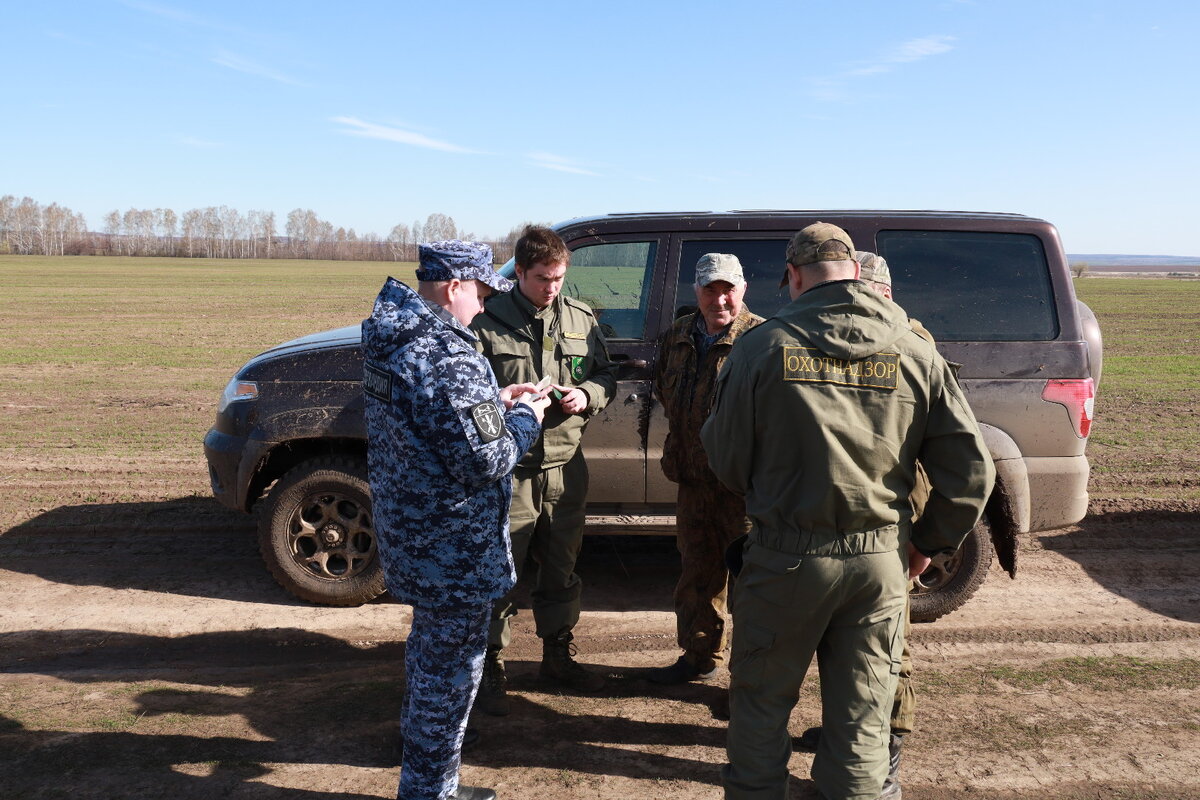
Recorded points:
(538,332)
(820,416)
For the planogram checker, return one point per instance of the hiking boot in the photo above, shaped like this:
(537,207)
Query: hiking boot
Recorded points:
(559,665)
(682,671)
(807,741)
(493,687)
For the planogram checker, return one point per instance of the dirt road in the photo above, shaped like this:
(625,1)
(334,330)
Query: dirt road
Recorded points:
(145,652)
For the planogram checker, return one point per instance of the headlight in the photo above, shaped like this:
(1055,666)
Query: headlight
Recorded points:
(236,392)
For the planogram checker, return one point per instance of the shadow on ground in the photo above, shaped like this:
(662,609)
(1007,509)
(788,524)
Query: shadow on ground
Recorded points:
(194,546)
(1146,555)
(208,715)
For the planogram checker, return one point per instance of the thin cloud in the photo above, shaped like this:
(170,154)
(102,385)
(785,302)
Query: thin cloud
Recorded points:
(832,88)
(558,164)
(179,16)
(369,130)
(173,14)
(907,53)
(235,62)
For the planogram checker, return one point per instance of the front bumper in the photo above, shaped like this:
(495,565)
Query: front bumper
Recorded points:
(224,455)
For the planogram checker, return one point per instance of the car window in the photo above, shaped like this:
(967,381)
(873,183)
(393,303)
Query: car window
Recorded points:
(614,279)
(976,287)
(762,264)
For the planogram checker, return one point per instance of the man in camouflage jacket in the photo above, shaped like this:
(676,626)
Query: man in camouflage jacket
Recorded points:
(708,516)
(440,448)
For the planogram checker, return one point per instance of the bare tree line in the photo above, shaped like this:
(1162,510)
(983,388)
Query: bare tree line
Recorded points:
(29,228)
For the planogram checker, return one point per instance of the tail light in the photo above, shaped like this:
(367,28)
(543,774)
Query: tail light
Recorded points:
(1078,396)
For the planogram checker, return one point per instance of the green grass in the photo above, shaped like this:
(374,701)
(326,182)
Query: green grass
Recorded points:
(1145,440)
(125,357)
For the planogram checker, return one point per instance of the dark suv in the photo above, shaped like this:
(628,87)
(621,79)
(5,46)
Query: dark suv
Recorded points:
(994,289)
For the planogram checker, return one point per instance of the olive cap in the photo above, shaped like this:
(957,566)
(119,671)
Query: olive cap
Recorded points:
(820,241)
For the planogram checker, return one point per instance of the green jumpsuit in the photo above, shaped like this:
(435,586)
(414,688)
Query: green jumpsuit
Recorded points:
(820,416)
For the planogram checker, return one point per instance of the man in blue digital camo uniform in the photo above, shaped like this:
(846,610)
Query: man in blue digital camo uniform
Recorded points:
(441,447)
(821,413)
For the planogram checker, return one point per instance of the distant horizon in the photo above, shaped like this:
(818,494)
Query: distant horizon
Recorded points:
(1133,259)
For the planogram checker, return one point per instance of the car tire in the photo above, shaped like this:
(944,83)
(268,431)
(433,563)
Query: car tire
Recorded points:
(316,536)
(950,581)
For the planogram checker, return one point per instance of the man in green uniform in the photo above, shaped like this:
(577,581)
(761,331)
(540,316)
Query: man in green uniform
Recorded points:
(536,331)
(708,516)
(874,272)
(820,416)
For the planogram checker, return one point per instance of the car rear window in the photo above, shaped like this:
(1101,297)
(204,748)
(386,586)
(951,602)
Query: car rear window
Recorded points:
(974,287)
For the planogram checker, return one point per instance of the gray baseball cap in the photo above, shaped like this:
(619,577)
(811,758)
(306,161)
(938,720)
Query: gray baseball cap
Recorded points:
(873,267)
(719,267)
(443,261)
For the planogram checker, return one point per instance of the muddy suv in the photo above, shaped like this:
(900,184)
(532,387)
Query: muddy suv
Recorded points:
(994,289)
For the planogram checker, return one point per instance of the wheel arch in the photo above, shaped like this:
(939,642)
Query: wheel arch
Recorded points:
(286,455)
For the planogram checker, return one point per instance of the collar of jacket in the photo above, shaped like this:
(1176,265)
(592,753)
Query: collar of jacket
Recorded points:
(681,331)
(846,319)
(513,310)
(401,315)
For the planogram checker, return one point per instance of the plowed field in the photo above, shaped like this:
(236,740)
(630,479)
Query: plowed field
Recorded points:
(146,653)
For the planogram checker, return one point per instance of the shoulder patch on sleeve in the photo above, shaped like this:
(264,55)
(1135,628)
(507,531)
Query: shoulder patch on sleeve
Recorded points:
(377,383)
(489,422)
(808,364)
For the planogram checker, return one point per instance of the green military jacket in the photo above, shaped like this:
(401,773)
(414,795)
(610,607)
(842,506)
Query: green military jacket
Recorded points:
(523,343)
(820,416)
(685,390)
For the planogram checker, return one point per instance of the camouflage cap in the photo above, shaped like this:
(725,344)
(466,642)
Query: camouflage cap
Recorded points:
(873,267)
(466,261)
(820,241)
(719,267)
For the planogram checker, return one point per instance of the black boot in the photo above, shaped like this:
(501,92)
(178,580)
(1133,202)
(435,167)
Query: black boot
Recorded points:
(682,671)
(559,665)
(807,741)
(493,687)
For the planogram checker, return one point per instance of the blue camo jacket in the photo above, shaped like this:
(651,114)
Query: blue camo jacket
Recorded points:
(440,450)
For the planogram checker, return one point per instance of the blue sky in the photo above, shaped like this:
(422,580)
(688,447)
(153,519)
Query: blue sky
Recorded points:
(374,113)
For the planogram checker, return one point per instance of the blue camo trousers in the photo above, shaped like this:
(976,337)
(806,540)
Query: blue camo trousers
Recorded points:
(443,661)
